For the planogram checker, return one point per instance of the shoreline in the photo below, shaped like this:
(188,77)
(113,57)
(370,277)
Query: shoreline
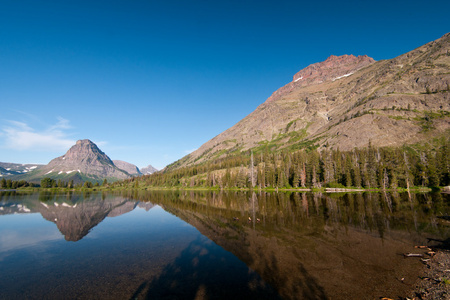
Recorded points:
(434,280)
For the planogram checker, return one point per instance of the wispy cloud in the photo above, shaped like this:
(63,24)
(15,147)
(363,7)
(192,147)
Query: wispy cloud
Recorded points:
(20,136)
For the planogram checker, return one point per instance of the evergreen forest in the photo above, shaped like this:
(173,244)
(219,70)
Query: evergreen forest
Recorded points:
(369,168)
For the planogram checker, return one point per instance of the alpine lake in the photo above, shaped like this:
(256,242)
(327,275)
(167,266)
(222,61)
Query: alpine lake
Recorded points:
(216,245)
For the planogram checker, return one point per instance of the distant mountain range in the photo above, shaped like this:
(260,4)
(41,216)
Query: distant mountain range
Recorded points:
(82,162)
(16,169)
(346,102)
(127,167)
(148,170)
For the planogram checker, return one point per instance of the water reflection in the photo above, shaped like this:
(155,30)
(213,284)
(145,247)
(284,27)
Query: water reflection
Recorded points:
(304,245)
(74,214)
(314,246)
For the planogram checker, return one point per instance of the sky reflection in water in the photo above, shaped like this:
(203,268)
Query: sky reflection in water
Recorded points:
(128,252)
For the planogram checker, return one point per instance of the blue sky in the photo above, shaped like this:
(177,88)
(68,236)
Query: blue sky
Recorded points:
(151,81)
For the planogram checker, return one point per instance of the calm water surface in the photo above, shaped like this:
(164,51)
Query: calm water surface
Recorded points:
(186,245)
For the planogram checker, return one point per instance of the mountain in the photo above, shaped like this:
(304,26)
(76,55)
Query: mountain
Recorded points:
(347,102)
(83,161)
(148,170)
(127,167)
(7,169)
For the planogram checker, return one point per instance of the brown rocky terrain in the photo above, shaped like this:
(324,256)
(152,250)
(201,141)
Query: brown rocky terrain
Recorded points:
(83,161)
(346,102)
(127,167)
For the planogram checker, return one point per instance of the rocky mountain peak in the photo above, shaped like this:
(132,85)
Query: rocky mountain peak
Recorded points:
(148,170)
(84,149)
(346,102)
(333,68)
(85,157)
(126,166)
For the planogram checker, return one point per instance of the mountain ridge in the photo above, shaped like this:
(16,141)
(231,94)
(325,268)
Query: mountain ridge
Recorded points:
(127,167)
(388,103)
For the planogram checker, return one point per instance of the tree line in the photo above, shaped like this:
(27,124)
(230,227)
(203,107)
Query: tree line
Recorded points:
(370,168)
(48,182)
(14,184)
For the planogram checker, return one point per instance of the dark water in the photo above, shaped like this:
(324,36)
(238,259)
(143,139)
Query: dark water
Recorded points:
(186,245)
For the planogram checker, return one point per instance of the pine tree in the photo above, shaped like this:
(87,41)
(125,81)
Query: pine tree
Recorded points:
(348,171)
(328,169)
(432,172)
(303,175)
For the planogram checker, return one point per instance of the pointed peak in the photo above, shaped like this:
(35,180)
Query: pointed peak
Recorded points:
(85,141)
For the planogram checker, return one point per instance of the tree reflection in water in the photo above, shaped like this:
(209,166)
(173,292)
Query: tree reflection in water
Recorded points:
(195,275)
(253,245)
(312,245)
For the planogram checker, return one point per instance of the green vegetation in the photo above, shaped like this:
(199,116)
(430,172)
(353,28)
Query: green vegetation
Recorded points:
(10,184)
(422,165)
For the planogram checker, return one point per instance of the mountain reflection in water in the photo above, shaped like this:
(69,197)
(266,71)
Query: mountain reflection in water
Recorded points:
(265,245)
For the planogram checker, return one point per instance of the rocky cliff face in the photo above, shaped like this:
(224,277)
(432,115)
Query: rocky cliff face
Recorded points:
(127,167)
(334,68)
(85,158)
(346,102)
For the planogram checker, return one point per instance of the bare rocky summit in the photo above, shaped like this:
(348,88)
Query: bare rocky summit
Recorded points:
(347,102)
(84,158)
(149,170)
(127,167)
(333,68)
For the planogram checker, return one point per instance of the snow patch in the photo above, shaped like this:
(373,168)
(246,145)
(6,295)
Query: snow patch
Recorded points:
(60,172)
(68,172)
(49,172)
(33,167)
(66,205)
(56,204)
(300,78)
(46,206)
(79,171)
(2,208)
(64,157)
(346,75)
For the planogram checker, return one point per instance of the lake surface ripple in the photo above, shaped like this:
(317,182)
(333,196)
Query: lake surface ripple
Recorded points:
(215,245)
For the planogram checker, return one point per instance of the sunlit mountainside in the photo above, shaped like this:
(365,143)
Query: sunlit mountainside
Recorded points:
(345,102)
